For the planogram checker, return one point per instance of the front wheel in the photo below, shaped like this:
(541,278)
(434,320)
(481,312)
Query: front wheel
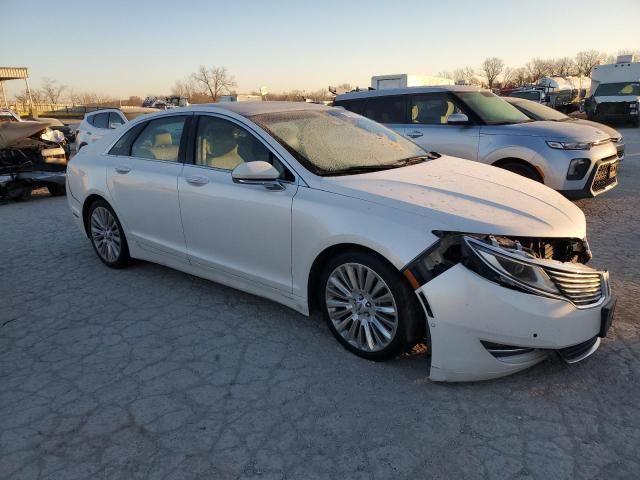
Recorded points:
(369,307)
(107,235)
(522,169)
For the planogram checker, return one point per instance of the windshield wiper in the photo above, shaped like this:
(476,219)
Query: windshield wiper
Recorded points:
(388,166)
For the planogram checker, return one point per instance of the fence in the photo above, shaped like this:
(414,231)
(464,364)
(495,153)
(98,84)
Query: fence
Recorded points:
(23,108)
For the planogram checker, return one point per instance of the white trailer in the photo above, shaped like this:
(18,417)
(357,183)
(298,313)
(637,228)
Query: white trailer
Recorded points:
(402,80)
(615,91)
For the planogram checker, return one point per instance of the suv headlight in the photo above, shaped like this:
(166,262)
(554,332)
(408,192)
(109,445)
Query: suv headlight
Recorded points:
(508,271)
(569,145)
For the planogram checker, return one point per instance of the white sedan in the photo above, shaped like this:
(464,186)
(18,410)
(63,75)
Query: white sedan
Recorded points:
(321,209)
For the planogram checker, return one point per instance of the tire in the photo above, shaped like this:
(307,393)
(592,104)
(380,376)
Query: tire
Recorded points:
(19,191)
(107,235)
(379,289)
(56,189)
(522,169)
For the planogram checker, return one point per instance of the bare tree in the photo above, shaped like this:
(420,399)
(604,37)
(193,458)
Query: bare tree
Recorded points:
(563,67)
(587,59)
(466,75)
(538,68)
(521,76)
(445,74)
(507,77)
(214,81)
(51,90)
(492,67)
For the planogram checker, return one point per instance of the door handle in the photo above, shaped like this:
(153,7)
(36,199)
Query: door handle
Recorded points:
(414,134)
(123,170)
(197,181)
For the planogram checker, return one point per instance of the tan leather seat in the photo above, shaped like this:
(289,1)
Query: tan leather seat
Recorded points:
(163,147)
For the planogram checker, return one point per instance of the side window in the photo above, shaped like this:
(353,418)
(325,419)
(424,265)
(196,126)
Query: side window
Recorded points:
(101,120)
(385,109)
(91,119)
(123,146)
(225,145)
(160,139)
(115,120)
(354,106)
(432,109)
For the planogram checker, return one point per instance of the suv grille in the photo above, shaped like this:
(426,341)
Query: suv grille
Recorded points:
(605,176)
(582,288)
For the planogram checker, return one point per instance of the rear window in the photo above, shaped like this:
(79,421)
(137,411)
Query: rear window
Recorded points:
(101,120)
(354,106)
(386,109)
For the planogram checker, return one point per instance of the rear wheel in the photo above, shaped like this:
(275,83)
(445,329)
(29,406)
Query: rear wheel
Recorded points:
(56,189)
(369,307)
(107,235)
(522,169)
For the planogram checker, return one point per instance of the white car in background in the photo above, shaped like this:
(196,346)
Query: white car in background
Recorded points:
(96,124)
(321,209)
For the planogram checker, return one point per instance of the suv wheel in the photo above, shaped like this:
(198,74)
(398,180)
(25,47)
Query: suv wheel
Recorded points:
(522,169)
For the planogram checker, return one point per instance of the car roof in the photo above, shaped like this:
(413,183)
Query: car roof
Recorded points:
(246,109)
(407,91)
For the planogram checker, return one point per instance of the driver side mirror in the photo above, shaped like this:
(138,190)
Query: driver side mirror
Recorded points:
(257,173)
(114,125)
(458,119)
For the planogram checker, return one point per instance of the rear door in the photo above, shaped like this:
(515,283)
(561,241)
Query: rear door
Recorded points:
(142,178)
(427,126)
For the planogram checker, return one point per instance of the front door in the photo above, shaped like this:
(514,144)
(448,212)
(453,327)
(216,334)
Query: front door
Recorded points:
(427,126)
(143,181)
(236,229)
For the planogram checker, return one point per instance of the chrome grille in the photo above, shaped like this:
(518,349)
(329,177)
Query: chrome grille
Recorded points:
(582,288)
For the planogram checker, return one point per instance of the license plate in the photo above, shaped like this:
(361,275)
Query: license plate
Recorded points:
(606,316)
(613,170)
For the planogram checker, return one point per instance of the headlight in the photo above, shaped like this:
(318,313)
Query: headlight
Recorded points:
(578,168)
(508,271)
(569,145)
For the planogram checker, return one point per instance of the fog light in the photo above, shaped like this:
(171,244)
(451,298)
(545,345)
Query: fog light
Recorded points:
(578,168)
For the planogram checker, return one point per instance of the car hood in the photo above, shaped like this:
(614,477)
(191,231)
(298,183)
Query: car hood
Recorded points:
(465,196)
(548,129)
(612,132)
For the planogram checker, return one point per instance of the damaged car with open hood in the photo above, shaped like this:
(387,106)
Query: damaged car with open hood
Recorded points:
(32,155)
(321,209)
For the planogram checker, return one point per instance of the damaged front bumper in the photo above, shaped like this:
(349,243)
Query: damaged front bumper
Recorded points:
(483,327)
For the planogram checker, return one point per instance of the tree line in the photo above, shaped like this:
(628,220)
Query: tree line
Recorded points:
(494,73)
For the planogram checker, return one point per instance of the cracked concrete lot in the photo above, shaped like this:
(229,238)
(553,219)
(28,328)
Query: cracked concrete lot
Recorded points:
(152,373)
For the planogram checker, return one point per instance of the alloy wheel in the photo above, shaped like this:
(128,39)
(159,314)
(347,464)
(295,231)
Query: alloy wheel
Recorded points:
(361,307)
(105,234)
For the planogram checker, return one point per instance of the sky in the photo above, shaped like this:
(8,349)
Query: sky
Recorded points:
(139,47)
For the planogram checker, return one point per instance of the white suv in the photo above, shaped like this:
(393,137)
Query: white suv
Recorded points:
(468,122)
(96,124)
